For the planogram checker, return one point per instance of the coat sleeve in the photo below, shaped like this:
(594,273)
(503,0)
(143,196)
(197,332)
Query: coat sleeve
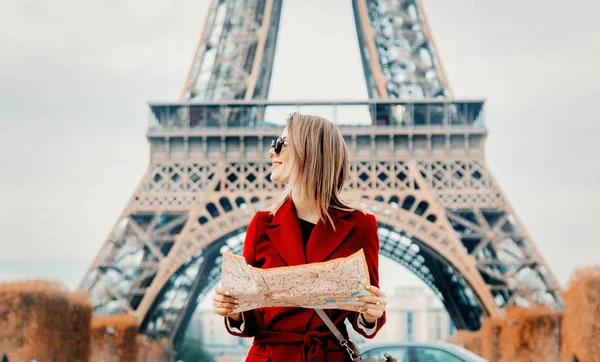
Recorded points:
(371,250)
(248,327)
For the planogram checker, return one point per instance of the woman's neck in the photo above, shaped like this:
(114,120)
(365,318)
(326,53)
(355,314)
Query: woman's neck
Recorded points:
(303,208)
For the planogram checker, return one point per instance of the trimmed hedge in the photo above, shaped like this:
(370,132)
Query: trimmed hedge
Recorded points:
(537,334)
(42,320)
(114,338)
(581,325)
(530,335)
(150,350)
(81,320)
(490,331)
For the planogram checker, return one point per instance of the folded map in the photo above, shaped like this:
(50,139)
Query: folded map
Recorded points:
(334,284)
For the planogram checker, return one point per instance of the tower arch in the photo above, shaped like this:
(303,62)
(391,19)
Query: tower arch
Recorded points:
(430,250)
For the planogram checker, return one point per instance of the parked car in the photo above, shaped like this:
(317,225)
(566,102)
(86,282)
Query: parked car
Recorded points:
(420,352)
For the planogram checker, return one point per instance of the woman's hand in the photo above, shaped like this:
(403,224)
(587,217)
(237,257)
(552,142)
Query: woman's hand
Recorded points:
(374,305)
(224,304)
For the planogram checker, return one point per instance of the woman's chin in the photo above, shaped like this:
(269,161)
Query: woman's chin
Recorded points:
(276,177)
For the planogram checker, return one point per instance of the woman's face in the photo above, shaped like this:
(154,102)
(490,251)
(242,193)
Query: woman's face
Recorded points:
(281,162)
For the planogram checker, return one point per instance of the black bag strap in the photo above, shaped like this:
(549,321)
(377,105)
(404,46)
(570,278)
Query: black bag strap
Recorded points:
(354,355)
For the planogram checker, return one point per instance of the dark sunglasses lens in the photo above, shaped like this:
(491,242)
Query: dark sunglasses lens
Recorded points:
(277,145)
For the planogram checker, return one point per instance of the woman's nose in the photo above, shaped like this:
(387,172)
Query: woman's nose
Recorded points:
(271,152)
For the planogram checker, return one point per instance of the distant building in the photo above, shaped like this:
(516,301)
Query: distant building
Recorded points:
(209,328)
(415,315)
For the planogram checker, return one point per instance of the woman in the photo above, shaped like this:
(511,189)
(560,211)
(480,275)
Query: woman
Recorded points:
(309,223)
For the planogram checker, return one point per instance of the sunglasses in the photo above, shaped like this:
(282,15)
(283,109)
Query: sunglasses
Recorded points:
(277,145)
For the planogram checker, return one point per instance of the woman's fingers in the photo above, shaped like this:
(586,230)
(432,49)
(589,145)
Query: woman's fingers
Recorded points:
(375,291)
(223,312)
(223,298)
(224,305)
(373,300)
(221,295)
(374,313)
(350,307)
(374,304)
(221,291)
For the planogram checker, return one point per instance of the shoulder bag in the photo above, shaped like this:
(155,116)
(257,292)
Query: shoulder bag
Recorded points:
(348,345)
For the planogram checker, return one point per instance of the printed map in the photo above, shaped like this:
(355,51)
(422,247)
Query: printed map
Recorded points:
(332,284)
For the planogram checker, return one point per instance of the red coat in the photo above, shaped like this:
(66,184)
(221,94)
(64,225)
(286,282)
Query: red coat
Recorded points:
(298,334)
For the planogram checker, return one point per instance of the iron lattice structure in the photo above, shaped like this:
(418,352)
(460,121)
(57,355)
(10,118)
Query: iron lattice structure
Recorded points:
(417,163)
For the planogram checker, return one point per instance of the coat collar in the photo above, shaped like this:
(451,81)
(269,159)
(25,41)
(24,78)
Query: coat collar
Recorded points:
(286,235)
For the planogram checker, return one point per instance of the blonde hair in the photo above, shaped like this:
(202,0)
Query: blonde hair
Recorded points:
(320,165)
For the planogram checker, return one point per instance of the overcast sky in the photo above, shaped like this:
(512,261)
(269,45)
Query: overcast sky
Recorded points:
(76,76)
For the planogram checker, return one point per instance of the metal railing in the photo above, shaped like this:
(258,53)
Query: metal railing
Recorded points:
(264,114)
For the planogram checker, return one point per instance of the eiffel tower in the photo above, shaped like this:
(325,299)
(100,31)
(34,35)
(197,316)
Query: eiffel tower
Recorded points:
(417,163)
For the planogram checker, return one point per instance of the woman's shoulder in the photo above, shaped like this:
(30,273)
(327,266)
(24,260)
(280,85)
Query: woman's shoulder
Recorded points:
(260,222)
(362,215)
(263,216)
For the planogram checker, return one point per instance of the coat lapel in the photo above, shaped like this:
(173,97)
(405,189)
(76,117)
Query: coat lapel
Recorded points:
(324,241)
(286,236)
